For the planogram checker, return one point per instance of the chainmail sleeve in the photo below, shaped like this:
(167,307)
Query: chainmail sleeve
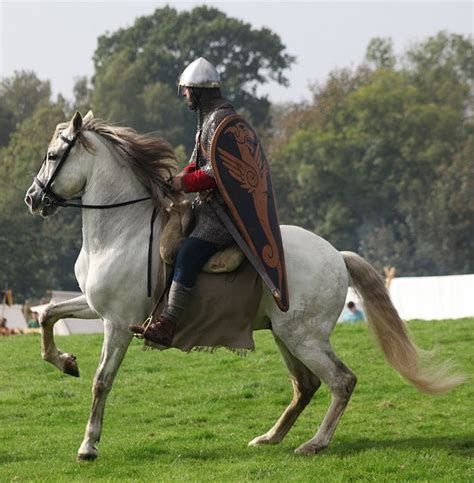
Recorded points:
(208,129)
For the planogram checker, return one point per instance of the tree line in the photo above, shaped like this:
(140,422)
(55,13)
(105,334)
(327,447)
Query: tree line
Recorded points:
(380,161)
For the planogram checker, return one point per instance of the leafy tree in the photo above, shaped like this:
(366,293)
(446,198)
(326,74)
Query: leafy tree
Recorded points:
(381,162)
(20,95)
(82,95)
(380,53)
(310,158)
(137,68)
(35,254)
(6,122)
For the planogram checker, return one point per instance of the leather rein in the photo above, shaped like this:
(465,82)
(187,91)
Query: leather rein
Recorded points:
(50,198)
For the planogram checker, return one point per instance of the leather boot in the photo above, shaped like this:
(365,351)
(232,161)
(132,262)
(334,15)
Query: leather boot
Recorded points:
(160,330)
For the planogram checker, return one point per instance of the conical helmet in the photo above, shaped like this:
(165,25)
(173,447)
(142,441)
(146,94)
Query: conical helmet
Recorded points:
(200,73)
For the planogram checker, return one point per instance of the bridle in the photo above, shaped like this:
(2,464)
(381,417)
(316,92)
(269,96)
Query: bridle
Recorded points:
(50,198)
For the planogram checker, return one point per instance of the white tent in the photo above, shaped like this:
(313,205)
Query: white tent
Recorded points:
(70,326)
(14,315)
(434,298)
(429,298)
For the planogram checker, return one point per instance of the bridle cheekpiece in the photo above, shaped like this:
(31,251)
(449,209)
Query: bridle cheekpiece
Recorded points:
(49,197)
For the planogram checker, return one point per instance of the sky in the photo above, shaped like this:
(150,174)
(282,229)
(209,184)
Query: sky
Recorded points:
(57,39)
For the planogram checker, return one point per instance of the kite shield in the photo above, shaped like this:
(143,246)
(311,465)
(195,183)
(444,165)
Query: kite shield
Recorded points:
(243,177)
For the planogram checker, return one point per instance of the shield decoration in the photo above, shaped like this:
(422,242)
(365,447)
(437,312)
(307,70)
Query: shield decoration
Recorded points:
(243,177)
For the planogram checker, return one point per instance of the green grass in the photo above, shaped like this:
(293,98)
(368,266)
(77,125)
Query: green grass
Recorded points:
(174,417)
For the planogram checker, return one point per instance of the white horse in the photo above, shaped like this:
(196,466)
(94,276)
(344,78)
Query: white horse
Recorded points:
(99,162)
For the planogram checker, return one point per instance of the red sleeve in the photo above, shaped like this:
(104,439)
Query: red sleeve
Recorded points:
(189,168)
(197,180)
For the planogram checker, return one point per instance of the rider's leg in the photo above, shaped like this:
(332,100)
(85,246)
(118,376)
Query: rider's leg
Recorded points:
(191,257)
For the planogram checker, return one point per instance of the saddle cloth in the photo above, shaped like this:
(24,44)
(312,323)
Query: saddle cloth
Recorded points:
(222,311)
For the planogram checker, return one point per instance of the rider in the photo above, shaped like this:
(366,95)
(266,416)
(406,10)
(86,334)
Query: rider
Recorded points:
(200,84)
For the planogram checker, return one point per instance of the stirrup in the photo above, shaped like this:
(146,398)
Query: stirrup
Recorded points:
(145,325)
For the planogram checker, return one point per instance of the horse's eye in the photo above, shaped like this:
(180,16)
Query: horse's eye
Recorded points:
(52,156)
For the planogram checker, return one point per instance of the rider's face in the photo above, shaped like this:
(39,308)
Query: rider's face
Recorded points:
(190,99)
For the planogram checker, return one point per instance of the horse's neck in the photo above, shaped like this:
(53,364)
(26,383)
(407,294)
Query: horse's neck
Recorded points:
(111,180)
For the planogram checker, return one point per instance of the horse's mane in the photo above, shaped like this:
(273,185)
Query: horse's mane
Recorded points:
(151,158)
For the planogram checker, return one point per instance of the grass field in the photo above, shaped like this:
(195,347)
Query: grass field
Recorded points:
(174,416)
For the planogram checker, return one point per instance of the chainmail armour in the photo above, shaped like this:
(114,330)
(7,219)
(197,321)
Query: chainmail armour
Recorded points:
(207,225)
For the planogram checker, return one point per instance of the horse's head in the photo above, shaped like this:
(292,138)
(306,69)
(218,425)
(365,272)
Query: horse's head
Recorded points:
(61,176)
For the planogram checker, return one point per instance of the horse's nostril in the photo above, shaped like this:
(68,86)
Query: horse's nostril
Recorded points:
(30,201)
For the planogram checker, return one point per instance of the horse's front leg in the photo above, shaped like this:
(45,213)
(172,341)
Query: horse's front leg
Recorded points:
(116,342)
(74,308)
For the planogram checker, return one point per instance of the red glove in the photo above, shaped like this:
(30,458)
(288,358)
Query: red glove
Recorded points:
(197,180)
(189,168)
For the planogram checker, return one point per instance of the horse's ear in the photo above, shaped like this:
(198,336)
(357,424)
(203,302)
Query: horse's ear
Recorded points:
(88,117)
(76,122)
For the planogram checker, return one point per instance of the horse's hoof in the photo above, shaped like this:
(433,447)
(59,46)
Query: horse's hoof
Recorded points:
(70,367)
(88,456)
(309,449)
(260,440)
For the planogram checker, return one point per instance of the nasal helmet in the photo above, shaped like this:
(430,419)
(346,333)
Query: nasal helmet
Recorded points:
(200,73)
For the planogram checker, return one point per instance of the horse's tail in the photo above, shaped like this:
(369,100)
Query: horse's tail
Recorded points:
(401,353)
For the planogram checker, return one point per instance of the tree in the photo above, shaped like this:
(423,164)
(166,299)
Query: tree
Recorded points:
(443,68)
(380,53)
(82,95)
(6,122)
(310,157)
(381,161)
(20,95)
(137,68)
(35,254)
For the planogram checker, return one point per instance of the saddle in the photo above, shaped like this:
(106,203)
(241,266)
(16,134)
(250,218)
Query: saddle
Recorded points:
(208,323)
(175,230)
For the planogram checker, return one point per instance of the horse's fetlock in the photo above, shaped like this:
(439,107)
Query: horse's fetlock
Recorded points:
(49,355)
(100,388)
(347,386)
(351,383)
(344,385)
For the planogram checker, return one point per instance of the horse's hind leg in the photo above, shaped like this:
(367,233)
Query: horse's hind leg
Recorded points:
(341,381)
(305,384)
(116,342)
(75,308)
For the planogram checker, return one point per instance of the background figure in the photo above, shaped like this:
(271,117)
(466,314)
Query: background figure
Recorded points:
(353,314)
(33,323)
(3,326)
